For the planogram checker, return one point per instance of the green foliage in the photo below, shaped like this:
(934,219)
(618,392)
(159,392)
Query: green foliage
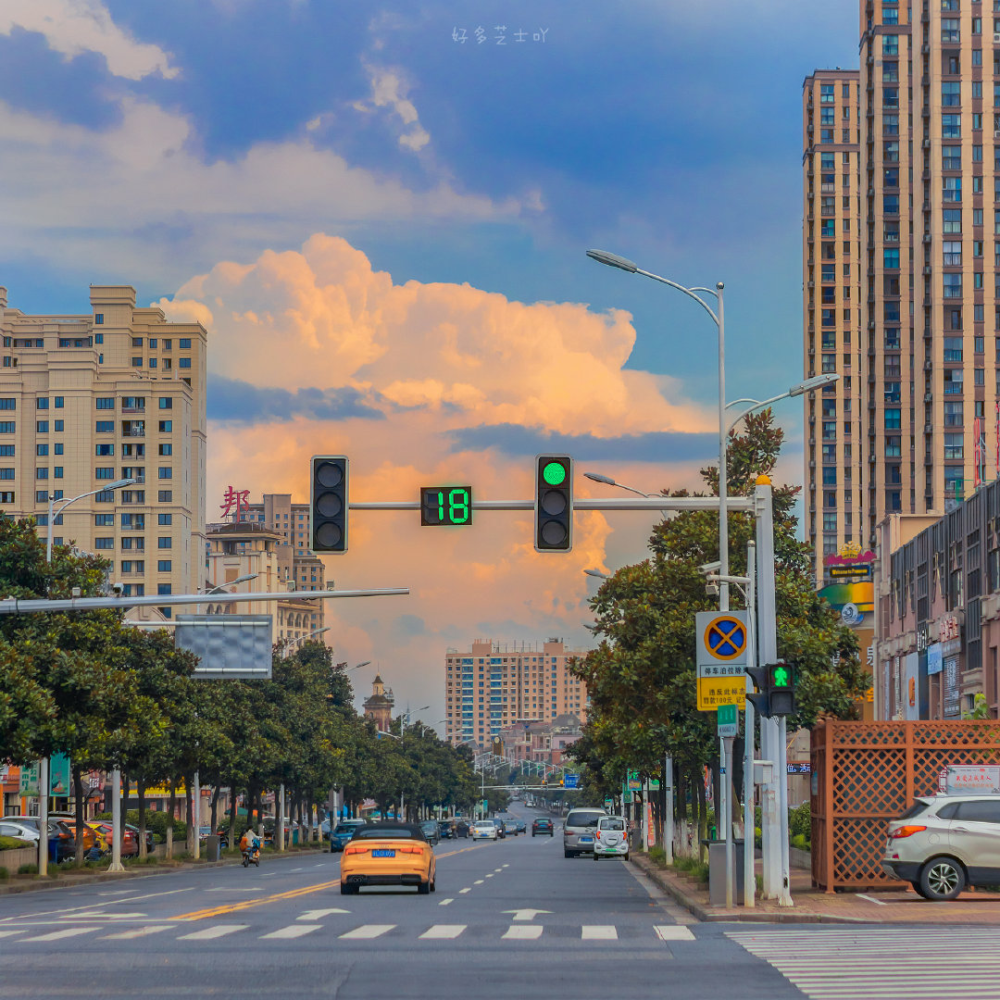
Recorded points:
(13,843)
(980,708)
(27,870)
(4,874)
(800,822)
(799,842)
(658,855)
(641,678)
(693,867)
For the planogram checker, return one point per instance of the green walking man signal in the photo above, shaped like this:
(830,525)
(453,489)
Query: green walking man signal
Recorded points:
(775,694)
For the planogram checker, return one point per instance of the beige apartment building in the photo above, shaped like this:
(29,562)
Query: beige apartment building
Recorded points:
(928,197)
(114,393)
(495,685)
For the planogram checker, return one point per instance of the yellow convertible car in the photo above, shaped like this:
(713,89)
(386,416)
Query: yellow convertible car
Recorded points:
(388,854)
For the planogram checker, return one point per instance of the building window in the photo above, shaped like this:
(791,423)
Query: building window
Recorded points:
(104,520)
(57,472)
(952,414)
(42,403)
(105,402)
(98,338)
(166,449)
(59,426)
(165,496)
(184,363)
(164,542)
(166,403)
(99,319)
(949,29)
(163,566)
(185,343)
(163,588)
(164,518)
(165,472)
(892,418)
(954,447)
(41,473)
(104,543)
(105,427)
(104,472)
(952,284)
(8,426)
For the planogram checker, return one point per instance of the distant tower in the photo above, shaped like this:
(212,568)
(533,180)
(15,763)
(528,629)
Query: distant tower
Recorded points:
(378,707)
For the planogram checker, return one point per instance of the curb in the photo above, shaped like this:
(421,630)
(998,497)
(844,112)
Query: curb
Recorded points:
(713,915)
(83,879)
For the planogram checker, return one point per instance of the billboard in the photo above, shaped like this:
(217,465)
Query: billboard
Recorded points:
(229,647)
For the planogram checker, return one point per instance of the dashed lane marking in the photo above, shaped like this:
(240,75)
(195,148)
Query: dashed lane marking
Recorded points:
(66,932)
(312,915)
(442,931)
(523,932)
(599,932)
(138,932)
(445,902)
(291,931)
(465,890)
(367,931)
(213,932)
(672,932)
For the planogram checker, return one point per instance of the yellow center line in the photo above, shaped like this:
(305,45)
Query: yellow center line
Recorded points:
(246,904)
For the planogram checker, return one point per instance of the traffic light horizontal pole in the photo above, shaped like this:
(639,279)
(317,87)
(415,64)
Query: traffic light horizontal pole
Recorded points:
(16,606)
(588,503)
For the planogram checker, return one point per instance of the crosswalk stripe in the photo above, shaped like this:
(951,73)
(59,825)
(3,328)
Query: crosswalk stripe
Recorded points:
(673,932)
(292,931)
(523,932)
(4,934)
(443,931)
(66,932)
(138,932)
(882,964)
(215,931)
(598,932)
(311,915)
(367,931)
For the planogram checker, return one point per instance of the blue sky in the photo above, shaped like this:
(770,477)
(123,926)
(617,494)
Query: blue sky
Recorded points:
(325,146)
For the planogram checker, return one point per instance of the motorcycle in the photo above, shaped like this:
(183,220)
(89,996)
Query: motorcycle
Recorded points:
(251,856)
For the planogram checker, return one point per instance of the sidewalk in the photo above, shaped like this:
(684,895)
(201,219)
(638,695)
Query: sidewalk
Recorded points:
(813,906)
(69,879)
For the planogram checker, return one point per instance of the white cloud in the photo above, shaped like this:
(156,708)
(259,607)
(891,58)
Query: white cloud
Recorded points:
(76,26)
(390,90)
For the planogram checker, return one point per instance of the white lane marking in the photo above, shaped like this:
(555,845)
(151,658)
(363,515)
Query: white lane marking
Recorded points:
(320,914)
(463,891)
(673,932)
(233,888)
(445,902)
(367,931)
(292,931)
(216,931)
(110,902)
(478,881)
(65,933)
(290,870)
(442,931)
(524,932)
(137,933)
(490,875)
(4,934)
(872,899)
(115,892)
(499,869)
(268,874)
(101,915)
(505,866)
(599,932)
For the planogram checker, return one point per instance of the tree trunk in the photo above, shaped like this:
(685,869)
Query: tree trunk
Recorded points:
(122,805)
(81,806)
(215,809)
(192,830)
(140,791)
(702,816)
(170,824)
(232,814)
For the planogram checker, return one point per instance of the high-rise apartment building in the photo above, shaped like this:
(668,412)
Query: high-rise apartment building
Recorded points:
(116,393)
(832,311)
(928,183)
(497,684)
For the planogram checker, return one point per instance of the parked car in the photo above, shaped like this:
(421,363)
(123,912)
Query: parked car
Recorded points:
(611,838)
(89,838)
(944,843)
(62,843)
(103,830)
(431,831)
(579,830)
(343,832)
(19,831)
(542,827)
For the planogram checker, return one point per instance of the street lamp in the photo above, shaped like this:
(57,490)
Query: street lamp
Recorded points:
(608,481)
(231,583)
(597,573)
(308,635)
(116,485)
(718,317)
(809,385)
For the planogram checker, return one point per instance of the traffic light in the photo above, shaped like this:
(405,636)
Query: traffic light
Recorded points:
(498,746)
(328,504)
(781,685)
(761,699)
(562,782)
(553,503)
(775,683)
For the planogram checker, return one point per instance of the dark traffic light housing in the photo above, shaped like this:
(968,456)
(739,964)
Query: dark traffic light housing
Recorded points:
(328,504)
(775,694)
(553,503)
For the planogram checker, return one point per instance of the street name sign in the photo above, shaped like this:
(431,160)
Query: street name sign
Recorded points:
(728,720)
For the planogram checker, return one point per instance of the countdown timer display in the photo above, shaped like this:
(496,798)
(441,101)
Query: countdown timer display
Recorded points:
(445,505)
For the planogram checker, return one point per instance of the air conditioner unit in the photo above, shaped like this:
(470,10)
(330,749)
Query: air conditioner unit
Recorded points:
(996,135)
(996,38)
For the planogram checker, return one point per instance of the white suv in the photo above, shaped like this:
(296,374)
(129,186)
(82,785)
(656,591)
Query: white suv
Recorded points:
(943,843)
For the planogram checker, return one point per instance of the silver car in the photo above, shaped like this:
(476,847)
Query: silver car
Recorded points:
(580,831)
(943,843)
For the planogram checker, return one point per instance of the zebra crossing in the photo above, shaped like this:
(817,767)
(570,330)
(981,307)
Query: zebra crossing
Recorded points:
(499,932)
(908,963)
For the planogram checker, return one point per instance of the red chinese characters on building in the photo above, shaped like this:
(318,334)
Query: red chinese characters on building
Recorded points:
(234,502)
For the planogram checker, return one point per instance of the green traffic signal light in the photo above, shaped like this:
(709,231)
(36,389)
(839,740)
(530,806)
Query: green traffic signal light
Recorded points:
(554,473)
(781,676)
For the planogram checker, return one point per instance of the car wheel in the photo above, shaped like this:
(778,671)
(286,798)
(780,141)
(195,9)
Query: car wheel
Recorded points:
(941,879)
(434,886)
(424,888)
(346,890)
(918,890)
(626,857)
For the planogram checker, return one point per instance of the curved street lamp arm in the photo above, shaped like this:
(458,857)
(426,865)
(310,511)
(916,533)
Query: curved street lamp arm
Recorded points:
(690,292)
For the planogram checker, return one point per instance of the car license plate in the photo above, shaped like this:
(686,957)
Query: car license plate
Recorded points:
(586,840)
(383,854)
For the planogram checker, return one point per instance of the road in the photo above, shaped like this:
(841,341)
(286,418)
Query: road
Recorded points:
(512,919)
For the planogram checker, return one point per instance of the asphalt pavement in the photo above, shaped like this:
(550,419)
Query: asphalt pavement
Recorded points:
(511,919)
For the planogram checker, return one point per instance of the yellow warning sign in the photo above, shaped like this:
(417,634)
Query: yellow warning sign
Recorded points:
(716,691)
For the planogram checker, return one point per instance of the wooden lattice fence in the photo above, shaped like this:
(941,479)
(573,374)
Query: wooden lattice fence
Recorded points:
(866,773)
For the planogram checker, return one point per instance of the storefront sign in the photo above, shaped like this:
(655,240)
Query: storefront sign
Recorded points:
(29,780)
(935,659)
(952,699)
(970,779)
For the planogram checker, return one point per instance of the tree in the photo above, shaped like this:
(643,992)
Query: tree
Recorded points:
(641,678)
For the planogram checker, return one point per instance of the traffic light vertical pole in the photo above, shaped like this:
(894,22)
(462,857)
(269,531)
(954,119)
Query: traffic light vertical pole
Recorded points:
(774,819)
(749,787)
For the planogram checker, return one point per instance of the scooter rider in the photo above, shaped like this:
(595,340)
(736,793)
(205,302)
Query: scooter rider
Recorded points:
(250,843)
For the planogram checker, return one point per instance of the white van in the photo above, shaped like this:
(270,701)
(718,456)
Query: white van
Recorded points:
(611,838)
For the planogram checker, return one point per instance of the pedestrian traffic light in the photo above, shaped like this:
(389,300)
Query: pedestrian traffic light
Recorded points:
(498,746)
(761,698)
(781,687)
(553,503)
(328,504)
